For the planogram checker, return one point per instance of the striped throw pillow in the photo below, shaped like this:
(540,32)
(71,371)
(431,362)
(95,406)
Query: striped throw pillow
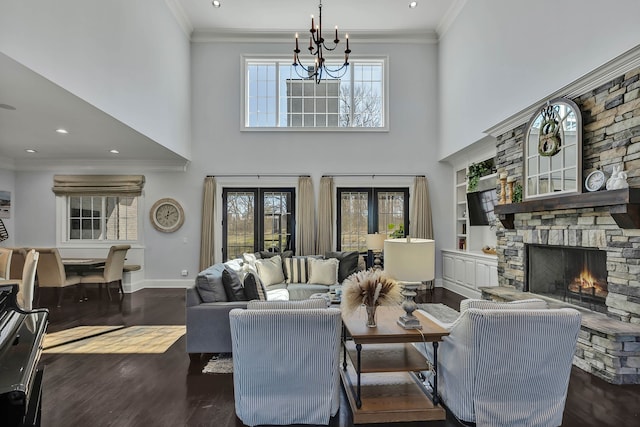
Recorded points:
(297,269)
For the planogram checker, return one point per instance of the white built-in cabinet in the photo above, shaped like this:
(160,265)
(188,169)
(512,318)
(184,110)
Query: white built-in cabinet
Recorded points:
(464,272)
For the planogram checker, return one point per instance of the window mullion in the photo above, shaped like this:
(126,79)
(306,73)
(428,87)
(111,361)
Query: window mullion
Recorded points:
(352,95)
(277,83)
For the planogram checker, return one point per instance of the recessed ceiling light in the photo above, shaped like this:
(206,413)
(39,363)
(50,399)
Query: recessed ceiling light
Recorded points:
(413,5)
(61,130)
(30,150)
(7,107)
(114,151)
(216,3)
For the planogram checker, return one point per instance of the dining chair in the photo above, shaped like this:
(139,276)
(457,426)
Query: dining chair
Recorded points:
(17,263)
(27,283)
(51,273)
(112,271)
(5,263)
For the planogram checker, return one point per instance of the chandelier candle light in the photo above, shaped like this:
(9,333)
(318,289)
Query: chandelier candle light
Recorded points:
(316,48)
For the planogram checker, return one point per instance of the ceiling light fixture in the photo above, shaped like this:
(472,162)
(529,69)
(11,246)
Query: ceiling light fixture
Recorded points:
(61,130)
(413,4)
(216,3)
(316,48)
(114,151)
(30,150)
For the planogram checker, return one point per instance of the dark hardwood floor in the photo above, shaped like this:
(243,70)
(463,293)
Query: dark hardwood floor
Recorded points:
(170,390)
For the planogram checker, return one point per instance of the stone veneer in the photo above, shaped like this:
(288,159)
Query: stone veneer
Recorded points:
(609,346)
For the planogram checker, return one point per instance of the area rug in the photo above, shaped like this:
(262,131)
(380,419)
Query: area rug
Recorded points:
(441,312)
(219,364)
(124,340)
(54,339)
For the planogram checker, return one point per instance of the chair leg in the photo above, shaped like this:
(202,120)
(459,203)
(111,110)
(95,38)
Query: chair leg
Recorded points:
(108,291)
(121,288)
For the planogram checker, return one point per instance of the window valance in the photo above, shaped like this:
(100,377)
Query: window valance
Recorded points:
(89,185)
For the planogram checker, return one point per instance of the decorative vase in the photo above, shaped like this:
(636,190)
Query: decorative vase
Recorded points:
(371,316)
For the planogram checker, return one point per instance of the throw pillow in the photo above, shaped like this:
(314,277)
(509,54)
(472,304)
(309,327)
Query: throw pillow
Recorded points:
(323,271)
(296,269)
(270,270)
(253,288)
(348,263)
(209,284)
(233,286)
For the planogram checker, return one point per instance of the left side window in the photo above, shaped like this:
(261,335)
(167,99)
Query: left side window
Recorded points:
(101,218)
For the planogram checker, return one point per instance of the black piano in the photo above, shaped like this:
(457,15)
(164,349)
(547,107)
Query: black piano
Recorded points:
(21,336)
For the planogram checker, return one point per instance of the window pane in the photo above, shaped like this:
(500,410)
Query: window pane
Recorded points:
(391,215)
(279,94)
(354,217)
(276,227)
(240,223)
(88,215)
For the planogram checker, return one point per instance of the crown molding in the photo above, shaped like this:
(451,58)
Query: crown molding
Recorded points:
(176,9)
(601,75)
(246,36)
(95,165)
(450,16)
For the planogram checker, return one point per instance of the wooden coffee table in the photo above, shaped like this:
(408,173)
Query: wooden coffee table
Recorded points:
(379,365)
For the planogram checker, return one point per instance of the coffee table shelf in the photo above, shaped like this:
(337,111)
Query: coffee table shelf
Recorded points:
(388,358)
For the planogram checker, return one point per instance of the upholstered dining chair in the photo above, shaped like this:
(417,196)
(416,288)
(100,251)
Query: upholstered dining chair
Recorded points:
(27,283)
(5,263)
(112,271)
(51,272)
(17,263)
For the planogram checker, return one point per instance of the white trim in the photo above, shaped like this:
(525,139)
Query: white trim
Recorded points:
(460,290)
(601,75)
(176,9)
(449,17)
(96,165)
(159,284)
(249,36)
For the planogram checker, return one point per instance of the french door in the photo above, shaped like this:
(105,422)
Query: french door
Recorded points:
(257,219)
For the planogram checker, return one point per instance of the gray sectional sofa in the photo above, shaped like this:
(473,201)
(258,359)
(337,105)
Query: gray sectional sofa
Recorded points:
(209,302)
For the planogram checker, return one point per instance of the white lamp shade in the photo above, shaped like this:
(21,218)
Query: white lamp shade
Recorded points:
(410,260)
(375,242)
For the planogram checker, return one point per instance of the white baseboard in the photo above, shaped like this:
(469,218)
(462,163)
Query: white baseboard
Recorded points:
(461,290)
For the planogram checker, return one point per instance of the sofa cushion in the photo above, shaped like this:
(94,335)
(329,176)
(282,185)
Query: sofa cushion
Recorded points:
(233,285)
(209,284)
(323,271)
(303,291)
(270,270)
(348,263)
(531,304)
(253,287)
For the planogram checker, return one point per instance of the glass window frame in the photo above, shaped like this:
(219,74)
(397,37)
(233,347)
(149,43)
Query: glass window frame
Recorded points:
(246,60)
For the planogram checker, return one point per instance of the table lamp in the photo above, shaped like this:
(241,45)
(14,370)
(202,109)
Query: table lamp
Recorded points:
(375,243)
(410,262)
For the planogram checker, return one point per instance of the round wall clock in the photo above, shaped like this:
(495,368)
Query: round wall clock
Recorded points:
(166,215)
(595,181)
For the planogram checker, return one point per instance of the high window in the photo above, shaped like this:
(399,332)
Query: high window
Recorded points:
(370,210)
(276,97)
(109,218)
(257,219)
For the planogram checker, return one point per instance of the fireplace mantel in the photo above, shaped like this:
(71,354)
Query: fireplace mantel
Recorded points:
(624,206)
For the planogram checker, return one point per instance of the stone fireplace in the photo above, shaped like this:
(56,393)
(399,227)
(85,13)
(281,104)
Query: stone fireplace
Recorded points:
(571,274)
(597,232)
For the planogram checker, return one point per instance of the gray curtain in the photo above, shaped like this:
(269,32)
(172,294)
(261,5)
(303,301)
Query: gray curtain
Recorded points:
(208,223)
(306,223)
(421,222)
(325,216)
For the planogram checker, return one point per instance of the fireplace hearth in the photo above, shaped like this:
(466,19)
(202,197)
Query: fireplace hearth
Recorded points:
(570,274)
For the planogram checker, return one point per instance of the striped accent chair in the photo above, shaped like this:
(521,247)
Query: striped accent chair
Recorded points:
(507,367)
(286,364)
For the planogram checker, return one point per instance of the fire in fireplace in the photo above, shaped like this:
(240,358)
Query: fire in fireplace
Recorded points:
(571,274)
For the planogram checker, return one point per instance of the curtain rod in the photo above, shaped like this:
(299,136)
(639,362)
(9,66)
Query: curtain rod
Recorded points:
(372,175)
(258,175)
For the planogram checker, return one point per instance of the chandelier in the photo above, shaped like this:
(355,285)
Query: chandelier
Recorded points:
(317,48)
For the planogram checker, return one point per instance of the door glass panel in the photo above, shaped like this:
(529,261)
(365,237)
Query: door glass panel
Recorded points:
(354,216)
(240,223)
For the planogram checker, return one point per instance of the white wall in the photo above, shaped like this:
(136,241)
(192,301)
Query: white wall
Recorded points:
(501,56)
(138,74)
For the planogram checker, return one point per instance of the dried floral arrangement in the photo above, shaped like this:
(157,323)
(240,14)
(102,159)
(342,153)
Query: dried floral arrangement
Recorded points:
(369,287)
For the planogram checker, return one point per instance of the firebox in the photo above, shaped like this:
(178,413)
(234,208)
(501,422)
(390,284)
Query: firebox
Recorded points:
(571,274)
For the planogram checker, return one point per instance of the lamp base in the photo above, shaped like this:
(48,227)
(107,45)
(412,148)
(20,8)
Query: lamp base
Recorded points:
(409,322)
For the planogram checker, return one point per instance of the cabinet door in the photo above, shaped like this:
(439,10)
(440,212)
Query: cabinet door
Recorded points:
(448,268)
(486,274)
(459,272)
(470,273)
